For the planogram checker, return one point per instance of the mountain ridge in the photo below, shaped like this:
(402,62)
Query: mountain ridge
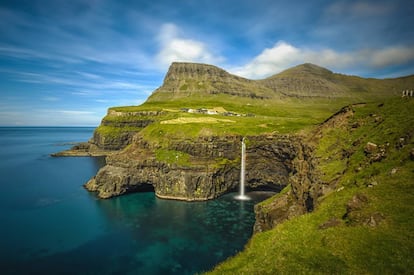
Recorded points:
(306,80)
(189,79)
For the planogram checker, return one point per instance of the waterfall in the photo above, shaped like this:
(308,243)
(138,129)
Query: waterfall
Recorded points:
(242,195)
(242,168)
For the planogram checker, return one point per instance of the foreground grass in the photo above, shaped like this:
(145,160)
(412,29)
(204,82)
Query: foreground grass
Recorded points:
(353,246)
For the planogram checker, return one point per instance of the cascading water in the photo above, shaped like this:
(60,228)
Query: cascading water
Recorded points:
(242,195)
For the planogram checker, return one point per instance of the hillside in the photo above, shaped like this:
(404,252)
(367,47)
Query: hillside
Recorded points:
(362,221)
(309,80)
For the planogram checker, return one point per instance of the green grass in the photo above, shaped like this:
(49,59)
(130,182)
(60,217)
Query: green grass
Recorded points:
(172,157)
(266,203)
(114,132)
(269,116)
(299,246)
(283,116)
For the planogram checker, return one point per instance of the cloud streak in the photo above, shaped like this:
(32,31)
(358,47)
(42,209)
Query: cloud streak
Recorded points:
(359,8)
(173,48)
(70,36)
(284,55)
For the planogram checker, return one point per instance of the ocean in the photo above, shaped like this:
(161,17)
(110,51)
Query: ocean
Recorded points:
(49,224)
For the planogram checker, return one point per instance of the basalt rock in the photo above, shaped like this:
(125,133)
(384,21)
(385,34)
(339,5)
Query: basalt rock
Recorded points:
(305,184)
(120,128)
(356,213)
(213,167)
(98,145)
(299,199)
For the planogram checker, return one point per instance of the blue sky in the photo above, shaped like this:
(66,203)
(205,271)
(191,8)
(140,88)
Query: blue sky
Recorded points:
(63,63)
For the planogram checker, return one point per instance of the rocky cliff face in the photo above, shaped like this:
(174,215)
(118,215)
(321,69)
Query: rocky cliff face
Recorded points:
(118,128)
(299,198)
(305,186)
(212,169)
(115,132)
(189,79)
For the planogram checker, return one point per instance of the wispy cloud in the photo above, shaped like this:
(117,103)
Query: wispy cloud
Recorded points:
(69,35)
(73,112)
(83,81)
(391,56)
(284,55)
(51,98)
(43,116)
(66,117)
(359,8)
(173,47)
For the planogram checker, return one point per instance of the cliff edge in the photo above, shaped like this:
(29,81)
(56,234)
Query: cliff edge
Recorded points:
(362,219)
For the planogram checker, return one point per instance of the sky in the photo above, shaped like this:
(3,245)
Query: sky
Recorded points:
(64,63)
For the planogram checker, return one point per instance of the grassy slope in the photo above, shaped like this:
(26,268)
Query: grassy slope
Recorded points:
(276,113)
(299,246)
(283,116)
(311,80)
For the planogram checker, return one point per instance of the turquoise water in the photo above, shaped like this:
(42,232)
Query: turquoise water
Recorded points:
(51,225)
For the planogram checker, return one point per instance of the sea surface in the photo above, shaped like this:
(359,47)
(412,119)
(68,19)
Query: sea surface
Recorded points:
(49,224)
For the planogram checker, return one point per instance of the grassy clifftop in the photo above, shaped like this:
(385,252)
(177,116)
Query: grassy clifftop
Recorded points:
(284,103)
(364,221)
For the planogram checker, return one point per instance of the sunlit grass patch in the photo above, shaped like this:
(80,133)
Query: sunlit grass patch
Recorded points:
(185,120)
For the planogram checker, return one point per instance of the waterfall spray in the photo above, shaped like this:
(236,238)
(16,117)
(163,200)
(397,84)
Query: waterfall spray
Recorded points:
(242,195)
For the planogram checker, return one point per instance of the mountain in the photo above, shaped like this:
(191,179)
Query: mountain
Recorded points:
(200,80)
(306,80)
(309,80)
(303,81)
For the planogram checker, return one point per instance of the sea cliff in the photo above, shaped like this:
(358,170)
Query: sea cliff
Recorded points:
(204,168)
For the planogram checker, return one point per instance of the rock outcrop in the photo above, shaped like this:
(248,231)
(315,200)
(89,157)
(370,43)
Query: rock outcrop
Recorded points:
(116,131)
(118,127)
(212,167)
(301,196)
(305,186)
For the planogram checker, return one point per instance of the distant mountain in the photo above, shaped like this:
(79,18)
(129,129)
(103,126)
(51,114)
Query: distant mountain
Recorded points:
(309,80)
(306,80)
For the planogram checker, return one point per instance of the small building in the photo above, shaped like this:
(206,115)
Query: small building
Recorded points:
(407,93)
(212,112)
